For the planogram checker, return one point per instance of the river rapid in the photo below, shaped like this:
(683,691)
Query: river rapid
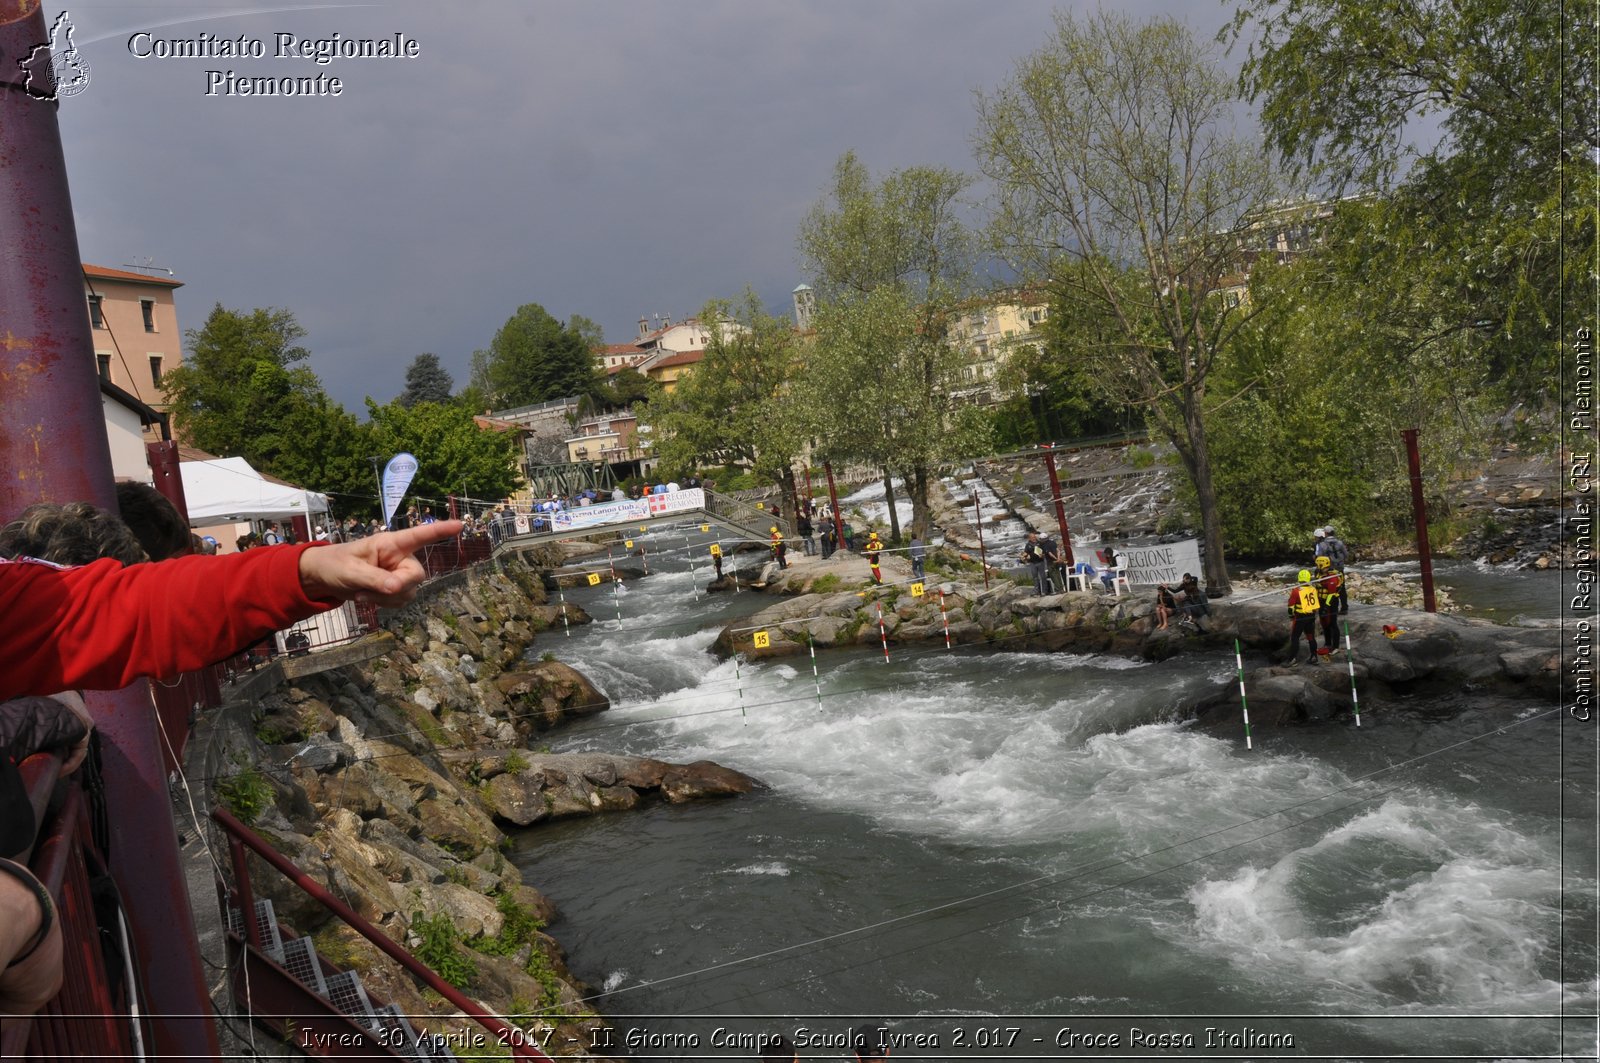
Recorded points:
(1028,855)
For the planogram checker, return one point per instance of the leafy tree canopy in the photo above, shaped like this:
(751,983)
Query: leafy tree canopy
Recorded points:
(890,260)
(535,358)
(736,406)
(1122,187)
(453,454)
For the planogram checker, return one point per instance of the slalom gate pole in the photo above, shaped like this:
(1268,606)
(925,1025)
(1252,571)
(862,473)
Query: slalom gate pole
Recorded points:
(566,628)
(694,577)
(739,679)
(946,618)
(1355,701)
(815,679)
(616,586)
(1238,659)
(977,522)
(883,636)
(644,555)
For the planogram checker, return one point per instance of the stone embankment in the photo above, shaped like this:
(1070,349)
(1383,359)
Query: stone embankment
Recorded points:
(834,604)
(389,781)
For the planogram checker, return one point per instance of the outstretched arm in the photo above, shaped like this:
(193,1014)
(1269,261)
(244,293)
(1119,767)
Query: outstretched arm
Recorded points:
(101,626)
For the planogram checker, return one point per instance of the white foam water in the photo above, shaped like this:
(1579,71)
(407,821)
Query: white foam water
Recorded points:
(1420,902)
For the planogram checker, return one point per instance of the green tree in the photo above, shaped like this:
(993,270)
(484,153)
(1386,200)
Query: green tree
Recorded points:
(624,388)
(890,261)
(243,392)
(735,408)
(426,381)
(534,358)
(1122,187)
(454,456)
(1478,239)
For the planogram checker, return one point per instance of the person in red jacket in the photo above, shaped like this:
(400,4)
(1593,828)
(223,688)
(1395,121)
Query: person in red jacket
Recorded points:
(101,626)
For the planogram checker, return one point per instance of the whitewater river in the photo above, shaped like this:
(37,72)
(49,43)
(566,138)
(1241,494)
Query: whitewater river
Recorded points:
(1016,854)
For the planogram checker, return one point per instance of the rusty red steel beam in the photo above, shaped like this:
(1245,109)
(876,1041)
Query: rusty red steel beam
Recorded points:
(54,449)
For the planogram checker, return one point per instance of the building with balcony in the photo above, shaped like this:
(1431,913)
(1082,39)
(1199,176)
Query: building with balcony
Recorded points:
(614,439)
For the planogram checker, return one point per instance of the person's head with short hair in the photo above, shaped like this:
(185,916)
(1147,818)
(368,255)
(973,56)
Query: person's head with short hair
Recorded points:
(870,1040)
(155,521)
(74,534)
(779,1049)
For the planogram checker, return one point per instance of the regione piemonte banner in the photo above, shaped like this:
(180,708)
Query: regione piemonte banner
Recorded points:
(397,477)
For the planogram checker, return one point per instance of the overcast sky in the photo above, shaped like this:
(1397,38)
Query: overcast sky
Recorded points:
(610,158)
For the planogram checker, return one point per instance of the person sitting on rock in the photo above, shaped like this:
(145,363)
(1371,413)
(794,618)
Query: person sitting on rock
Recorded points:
(1166,605)
(1194,603)
(872,549)
(1303,605)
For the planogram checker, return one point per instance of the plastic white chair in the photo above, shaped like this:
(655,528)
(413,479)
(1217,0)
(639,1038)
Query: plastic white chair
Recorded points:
(1119,581)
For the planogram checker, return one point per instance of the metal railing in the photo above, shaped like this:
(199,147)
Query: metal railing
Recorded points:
(241,838)
(746,516)
(89,1018)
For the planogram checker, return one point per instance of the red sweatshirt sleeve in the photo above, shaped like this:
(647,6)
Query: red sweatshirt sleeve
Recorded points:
(101,626)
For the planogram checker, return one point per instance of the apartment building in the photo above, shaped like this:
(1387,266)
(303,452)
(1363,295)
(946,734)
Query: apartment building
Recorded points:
(134,324)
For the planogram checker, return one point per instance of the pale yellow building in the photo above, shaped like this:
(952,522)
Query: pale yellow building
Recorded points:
(990,332)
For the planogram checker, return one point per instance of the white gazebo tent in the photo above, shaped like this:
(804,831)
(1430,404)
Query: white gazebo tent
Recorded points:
(223,490)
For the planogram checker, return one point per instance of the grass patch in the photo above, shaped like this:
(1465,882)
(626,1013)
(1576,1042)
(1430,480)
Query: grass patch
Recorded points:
(440,950)
(826,583)
(246,794)
(516,762)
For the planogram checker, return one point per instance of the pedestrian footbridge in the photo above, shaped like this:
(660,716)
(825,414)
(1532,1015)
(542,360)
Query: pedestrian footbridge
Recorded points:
(690,506)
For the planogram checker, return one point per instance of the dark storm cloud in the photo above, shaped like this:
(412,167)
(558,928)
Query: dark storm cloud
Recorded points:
(613,159)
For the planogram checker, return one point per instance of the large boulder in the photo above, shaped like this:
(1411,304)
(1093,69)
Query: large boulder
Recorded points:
(545,693)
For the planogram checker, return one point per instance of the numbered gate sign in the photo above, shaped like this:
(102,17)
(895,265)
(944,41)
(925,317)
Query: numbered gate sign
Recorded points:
(716,549)
(627,544)
(916,590)
(762,640)
(594,579)
(705,527)
(760,505)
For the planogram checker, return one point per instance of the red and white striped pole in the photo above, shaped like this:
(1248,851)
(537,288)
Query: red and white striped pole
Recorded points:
(946,618)
(883,636)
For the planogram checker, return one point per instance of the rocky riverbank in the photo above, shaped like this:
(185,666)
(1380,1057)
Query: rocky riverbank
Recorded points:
(389,781)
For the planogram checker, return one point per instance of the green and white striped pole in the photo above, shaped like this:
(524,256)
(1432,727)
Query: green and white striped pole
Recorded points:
(566,628)
(1238,660)
(1355,700)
